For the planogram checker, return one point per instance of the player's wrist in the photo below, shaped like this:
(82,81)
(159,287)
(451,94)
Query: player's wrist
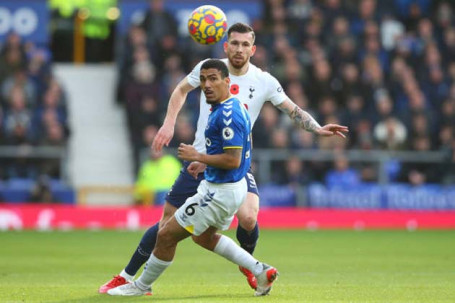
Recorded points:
(199,158)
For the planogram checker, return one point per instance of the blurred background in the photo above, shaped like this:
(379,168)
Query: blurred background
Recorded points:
(84,87)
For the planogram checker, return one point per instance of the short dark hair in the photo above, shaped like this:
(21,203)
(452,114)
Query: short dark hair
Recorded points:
(216,64)
(242,28)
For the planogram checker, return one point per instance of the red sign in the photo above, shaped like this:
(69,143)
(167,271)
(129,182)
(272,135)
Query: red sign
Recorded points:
(46,217)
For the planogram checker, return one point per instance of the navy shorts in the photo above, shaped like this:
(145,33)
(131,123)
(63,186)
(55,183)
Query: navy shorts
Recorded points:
(186,186)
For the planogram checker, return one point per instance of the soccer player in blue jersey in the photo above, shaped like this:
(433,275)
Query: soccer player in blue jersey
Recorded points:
(219,196)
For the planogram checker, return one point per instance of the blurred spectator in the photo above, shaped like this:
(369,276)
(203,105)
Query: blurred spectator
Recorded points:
(391,30)
(19,81)
(390,133)
(421,172)
(98,29)
(12,57)
(156,174)
(161,29)
(158,23)
(18,121)
(41,191)
(342,175)
(268,120)
(293,172)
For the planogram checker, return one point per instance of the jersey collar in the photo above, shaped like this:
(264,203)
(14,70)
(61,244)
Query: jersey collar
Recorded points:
(216,105)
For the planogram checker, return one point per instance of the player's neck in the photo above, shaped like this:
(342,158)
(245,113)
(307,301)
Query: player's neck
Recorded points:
(238,71)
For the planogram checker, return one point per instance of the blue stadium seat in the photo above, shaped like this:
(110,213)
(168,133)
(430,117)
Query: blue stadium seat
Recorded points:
(15,195)
(62,192)
(17,189)
(20,183)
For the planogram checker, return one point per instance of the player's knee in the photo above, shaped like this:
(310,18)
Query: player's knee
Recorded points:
(205,241)
(248,222)
(168,212)
(198,240)
(165,237)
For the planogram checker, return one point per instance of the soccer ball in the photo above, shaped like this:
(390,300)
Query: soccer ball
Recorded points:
(207,24)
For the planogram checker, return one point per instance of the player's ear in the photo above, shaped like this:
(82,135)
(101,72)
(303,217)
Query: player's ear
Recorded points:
(228,80)
(253,50)
(225,46)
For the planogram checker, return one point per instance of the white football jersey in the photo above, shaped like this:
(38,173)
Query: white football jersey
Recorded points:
(253,89)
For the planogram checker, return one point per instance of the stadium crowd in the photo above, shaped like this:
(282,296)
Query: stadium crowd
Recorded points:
(33,111)
(384,68)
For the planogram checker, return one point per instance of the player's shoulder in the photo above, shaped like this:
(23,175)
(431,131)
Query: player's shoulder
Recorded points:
(231,105)
(261,74)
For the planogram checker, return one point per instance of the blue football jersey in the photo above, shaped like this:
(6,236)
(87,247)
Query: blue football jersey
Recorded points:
(228,126)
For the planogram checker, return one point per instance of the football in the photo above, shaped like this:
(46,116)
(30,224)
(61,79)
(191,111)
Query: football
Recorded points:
(207,24)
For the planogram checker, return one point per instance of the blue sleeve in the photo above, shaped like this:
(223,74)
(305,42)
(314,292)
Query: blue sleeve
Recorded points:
(232,130)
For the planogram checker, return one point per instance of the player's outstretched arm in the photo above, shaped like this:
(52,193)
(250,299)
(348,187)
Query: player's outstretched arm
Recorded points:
(304,120)
(230,159)
(176,101)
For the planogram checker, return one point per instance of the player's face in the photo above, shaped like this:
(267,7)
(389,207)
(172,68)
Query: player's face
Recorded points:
(215,88)
(239,48)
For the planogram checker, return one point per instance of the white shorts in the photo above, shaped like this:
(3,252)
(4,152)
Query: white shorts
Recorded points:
(213,205)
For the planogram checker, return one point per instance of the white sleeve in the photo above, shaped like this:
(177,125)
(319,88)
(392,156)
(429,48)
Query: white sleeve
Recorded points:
(275,92)
(193,77)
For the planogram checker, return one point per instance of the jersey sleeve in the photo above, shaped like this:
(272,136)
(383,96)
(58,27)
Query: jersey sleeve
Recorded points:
(193,77)
(232,130)
(275,92)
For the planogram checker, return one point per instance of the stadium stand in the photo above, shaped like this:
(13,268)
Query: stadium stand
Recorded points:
(33,117)
(384,68)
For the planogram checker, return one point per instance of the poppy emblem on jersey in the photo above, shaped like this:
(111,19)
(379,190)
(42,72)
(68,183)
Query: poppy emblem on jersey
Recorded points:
(234,89)
(228,133)
(208,142)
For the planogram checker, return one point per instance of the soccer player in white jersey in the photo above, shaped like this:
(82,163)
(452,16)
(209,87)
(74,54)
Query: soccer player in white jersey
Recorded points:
(253,87)
(227,139)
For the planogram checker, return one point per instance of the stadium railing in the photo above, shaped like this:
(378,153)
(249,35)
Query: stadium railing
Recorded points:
(264,157)
(18,189)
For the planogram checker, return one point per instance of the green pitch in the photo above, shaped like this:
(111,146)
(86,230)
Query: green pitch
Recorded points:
(321,266)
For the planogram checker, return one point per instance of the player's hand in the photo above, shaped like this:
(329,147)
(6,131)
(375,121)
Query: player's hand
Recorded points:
(187,152)
(195,168)
(332,130)
(163,137)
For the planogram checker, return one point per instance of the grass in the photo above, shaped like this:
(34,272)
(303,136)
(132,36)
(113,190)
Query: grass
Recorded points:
(321,266)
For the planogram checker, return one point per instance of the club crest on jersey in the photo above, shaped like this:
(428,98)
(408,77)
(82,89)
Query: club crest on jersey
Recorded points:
(252,89)
(208,142)
(228,133)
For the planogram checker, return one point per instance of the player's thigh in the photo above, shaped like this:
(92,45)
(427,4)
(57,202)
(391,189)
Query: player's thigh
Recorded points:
(185,186)
(171,233)
(248,211)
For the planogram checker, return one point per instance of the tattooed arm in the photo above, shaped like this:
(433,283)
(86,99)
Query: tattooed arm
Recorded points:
(304,120)
(300,117)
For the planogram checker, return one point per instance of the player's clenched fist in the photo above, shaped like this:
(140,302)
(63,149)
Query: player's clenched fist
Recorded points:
(187,152)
